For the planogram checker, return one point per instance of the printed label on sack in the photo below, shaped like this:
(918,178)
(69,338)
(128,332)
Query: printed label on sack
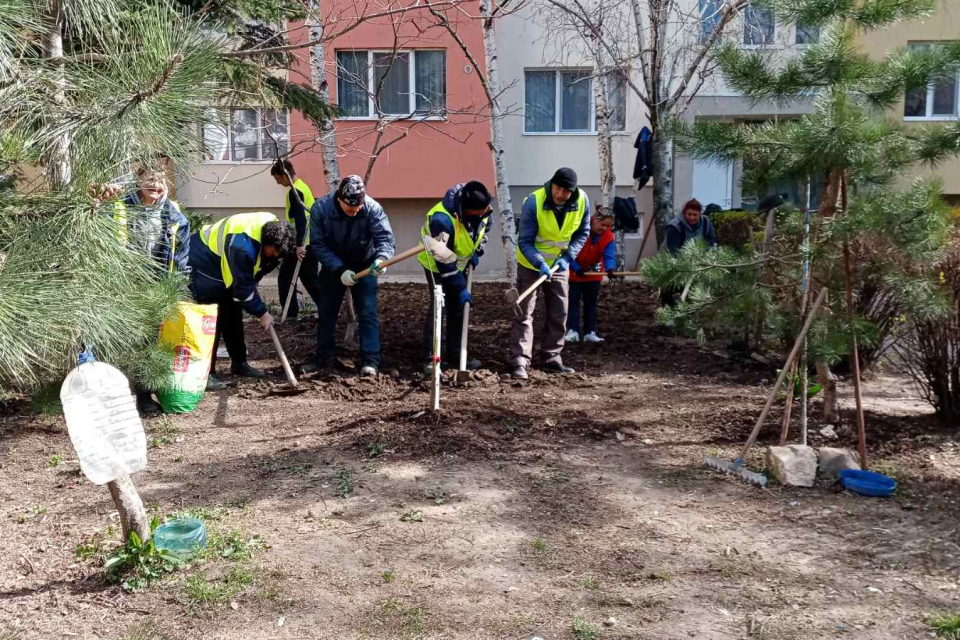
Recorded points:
(209,325)
(181,359)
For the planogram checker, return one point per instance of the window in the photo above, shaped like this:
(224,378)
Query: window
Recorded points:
(807,35)
(758,26)
(562,101)
(392,83)
(245,135)
(709,18)
(936,102)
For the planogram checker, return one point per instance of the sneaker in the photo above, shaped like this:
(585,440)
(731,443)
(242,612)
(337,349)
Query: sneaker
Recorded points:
(214,384)
(312,366)
(592,337)
(244,370)
(368,371)
(519,372)
(556,367)
(146,405)
(572,336)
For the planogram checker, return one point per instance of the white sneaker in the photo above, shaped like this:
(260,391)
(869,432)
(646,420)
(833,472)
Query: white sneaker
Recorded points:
(592,337)
(572,336)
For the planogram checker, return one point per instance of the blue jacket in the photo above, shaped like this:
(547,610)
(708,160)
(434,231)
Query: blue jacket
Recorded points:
(529,225)
(440,223)
(340,242)
(206,281)
(162,252)
(677,233)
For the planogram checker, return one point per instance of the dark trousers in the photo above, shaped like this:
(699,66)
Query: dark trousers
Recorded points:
(229,325)
(309,276)
(454,318)
(590,293)
(330,298)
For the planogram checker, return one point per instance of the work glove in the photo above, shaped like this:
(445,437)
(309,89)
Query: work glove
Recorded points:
(464,298)
(545,271)
(576,268)
(348,278)
(562,263)
(376,269)
(475,259)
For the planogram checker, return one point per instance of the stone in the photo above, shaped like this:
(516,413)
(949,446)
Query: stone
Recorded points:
(829,432)
(794,465)
(833,461)
(610,622)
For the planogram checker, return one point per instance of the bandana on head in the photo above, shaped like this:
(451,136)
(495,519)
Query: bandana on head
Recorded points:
(352,191)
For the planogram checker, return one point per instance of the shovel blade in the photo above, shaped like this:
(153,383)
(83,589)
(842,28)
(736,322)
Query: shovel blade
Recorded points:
(463,377)
(511,295)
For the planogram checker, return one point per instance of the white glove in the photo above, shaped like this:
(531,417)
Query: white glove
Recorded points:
(348,278)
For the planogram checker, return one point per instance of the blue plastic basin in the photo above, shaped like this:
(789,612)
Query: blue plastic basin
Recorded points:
(181,537)
(868,483)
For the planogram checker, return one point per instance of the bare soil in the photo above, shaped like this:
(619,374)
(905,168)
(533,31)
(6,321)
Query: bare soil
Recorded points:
(522,509)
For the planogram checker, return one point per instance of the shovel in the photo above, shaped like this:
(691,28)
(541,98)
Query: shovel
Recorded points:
(514,297)
(438,248)
(292,387)
(463,375)
(292,292)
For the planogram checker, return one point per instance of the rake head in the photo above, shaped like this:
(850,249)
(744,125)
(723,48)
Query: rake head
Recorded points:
(735,468)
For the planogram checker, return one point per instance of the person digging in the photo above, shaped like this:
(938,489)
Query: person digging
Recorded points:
(554,225)
(227,260)
(349,232)
(298,202)
(463,219)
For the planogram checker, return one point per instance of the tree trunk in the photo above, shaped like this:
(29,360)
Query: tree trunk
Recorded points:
(831,407)
(58,169)
(662,183)
(318,77)
(604,140)
(508,228)
(133,517)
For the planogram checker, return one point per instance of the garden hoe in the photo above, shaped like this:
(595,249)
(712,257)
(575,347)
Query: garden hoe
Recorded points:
(436,246)
(292,292)
(463,375)
(292,387)
(736,466)
(515,298)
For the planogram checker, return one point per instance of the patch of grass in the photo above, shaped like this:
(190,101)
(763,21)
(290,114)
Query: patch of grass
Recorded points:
(511,426)
(207,514)
(376,449)
(659,576)
(34,512)
(55,460)
(394,619)
(343,483)
(946,626)
(560,477)
(46,401)
(540,546)
(203,594)
(414,515)
(9,634)
(162,432)
(139,562)
(149,630)
(438,495)
(388,576)
(583,630)
(591,584)
(232,545)
(269,466)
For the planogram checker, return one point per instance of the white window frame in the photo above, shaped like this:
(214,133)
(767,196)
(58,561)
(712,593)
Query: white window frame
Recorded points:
(929,117)
(260,127)
(558,102)
(411,86)
(773,44)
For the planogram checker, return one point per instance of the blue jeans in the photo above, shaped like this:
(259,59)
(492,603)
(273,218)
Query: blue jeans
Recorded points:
(590,293)
(328,308)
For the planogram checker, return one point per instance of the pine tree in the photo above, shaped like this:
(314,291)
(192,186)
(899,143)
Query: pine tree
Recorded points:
(870,234)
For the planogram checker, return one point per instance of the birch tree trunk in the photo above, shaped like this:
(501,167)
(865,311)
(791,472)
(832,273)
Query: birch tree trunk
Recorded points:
(318,77)
(508,228)
(604,139)
(58,160)
(662,183)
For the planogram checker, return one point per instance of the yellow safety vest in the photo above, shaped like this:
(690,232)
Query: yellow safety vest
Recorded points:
(463,245)
(551,240)
(308,201)
(120,217)
(215,237)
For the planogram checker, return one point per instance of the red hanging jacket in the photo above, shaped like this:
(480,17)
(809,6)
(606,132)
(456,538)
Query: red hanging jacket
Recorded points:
(592,255)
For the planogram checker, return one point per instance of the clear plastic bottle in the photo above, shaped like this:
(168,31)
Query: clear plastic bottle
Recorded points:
(102,420)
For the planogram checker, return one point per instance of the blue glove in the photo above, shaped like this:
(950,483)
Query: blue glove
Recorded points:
(576,268)
(475,259)
(545,271)
(562,263)
(464,298)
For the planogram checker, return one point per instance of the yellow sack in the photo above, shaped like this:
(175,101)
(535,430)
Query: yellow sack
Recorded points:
(190,333)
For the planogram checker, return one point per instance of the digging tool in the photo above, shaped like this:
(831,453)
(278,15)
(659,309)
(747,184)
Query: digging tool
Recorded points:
(438,303)
(612,274)
(462,374)
(515,298)
(736,466)
(643,243)
(292,292)
(293,387)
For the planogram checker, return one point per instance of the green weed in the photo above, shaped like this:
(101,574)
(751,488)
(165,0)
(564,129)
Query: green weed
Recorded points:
(34,512)
(163,432)
(146,631)
(946,626)
(414,515)
(232,545)
(138,563)
(376,449)
(591,584)
(203,594)
(540,546)
(438,495)
(583,630)
(404,621)
(388,576)
(343,483)
(55,460)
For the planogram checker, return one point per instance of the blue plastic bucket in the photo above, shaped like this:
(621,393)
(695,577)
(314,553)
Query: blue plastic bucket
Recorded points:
(182,537)
(868,483)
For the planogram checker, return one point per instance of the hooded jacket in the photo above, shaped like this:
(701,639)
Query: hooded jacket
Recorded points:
(160,230)
(529,226)
(679,232)
(340,242)
(440,223)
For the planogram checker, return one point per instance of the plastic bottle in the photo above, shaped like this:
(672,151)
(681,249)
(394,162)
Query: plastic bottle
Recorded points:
(182,537)
(102,420)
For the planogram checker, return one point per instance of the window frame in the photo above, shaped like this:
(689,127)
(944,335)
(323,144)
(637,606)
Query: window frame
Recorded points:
(796,36)
(773,36)
(261,125)
(411,86)
(558,103)
(931,89)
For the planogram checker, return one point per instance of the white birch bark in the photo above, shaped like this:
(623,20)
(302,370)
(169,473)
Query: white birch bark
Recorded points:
(604,139)
(318,77)
(58,159)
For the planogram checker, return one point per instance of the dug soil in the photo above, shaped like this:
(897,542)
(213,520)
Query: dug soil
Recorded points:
(571,506)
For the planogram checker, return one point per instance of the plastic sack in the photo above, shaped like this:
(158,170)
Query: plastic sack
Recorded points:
(181,537)
(102,420)
(190,332)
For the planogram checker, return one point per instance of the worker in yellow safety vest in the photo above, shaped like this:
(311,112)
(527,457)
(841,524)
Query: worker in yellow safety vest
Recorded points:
(463,219)
(554,225)
(298,203)
(227,260)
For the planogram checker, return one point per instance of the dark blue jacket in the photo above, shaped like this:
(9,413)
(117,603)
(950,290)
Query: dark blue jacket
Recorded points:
(162,252)
(440,223)
(340,242)
(677,233)
(529,225)
(206,281)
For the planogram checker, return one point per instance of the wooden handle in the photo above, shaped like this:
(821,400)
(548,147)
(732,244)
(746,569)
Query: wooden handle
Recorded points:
(292,292)
(621,274)
(409,253)
(783,374)
(466,324)
(283,358)
(536,284)
(643,243)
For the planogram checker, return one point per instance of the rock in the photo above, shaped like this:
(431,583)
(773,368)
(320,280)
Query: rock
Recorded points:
(350,382)
(760,358)
(610,622)
(833,461)
(647,441)
(394,373)
(794,465)
(829,432)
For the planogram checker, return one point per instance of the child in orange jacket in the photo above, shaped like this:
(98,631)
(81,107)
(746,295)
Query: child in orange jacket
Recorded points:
(598,256)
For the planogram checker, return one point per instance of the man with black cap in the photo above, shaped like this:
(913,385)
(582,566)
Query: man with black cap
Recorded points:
(349,232)
(554,225)
(462,220)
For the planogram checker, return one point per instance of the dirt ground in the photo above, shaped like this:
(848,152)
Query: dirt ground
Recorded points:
(564,507)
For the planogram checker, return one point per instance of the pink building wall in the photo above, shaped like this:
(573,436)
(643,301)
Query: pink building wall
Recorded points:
(434,155)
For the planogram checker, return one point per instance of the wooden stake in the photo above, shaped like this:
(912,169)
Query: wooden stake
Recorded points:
(133,517)
(848,278)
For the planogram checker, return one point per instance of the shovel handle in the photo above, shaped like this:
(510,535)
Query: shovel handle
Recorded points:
(409,253)
(466,324)
(283,358)
(292,292)
(536,284)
